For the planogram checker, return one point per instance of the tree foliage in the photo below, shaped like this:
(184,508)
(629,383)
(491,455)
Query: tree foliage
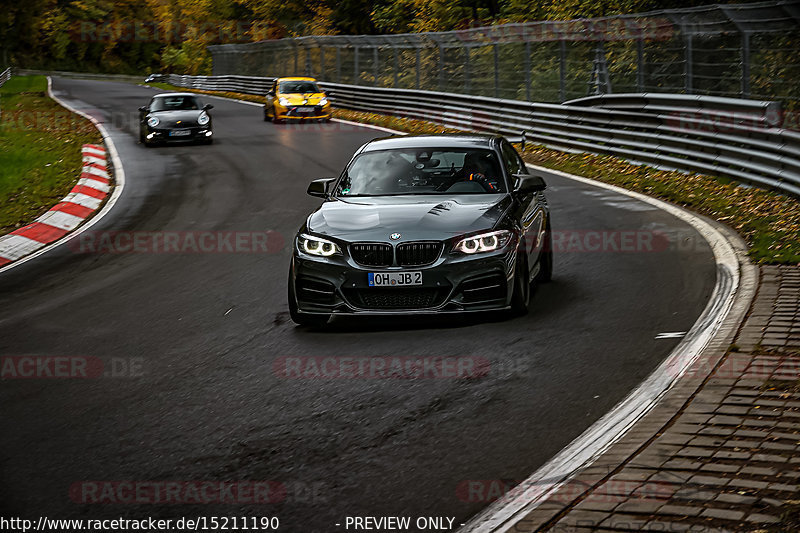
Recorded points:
(134,36)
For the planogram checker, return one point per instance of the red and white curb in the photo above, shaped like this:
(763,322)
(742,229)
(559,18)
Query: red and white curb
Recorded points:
(83,200)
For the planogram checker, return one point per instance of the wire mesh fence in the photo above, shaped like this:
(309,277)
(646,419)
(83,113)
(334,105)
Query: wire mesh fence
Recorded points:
(738,50)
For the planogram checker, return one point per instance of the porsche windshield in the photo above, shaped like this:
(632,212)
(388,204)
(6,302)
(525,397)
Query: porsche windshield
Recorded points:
(423,171)
(298,87)
(174,103)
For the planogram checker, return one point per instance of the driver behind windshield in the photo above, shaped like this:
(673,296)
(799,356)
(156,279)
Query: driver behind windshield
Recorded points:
(298,87)
(175,103)
(397,172)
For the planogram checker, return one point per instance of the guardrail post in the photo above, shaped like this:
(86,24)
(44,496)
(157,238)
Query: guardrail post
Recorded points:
(745,64)
(562,70)
(396,67)
(496,70)
(375,62)
(689,81)
(527,67)
(441,68)
(356,72)
(338,64)
(418,60)
(322,62)
(308,60)
(467,70)
(640,65)
(295,59)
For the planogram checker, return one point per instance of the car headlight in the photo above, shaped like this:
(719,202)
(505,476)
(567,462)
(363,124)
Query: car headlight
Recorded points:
(323,101)
(152,122)
(316,246)
(202,119)
(283,101)
(486,242)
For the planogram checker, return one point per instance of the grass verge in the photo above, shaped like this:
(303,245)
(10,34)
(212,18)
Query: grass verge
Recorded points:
(768,221)
(40,150)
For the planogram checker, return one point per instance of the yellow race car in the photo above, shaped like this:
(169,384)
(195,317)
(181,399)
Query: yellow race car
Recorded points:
(296,99)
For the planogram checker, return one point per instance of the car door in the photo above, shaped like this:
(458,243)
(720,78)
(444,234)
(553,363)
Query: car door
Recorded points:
(530,211)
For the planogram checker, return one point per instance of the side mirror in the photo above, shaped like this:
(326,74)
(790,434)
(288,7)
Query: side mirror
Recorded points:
(526,184)
(207,107)
(320,187)
(143,109)
(270,93)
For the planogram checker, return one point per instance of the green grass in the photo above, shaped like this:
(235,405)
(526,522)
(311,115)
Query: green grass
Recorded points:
(40,150)
(767,220)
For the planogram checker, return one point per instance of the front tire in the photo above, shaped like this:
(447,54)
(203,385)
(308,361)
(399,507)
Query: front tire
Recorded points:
(521,295)
(300,318)
(546,257)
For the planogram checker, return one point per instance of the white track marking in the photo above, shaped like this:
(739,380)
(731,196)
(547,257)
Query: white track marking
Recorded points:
(88,150)
(83,199)
(94,184)
(93,159)
(12,247)
(60,220)
(371,126)
(671,335)
(96,171)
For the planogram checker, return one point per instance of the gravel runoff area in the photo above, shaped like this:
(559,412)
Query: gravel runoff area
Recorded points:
(729,460)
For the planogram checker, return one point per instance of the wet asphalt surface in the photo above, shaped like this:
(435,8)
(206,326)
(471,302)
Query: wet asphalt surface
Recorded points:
(193,339)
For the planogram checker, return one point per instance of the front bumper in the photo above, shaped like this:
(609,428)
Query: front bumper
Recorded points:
(162,135)
(293,112)
(451,284)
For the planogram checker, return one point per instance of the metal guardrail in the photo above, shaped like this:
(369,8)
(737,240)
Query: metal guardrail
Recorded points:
(5,76)
(80,75)
(739,139)
(742,50)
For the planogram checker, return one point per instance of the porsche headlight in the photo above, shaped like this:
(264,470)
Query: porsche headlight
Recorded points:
(283,101)
(316,246)
(323,101)
(152,122)
(202,119)
(486,242)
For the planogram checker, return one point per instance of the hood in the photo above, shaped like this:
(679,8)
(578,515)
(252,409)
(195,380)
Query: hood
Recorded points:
(413,217)
(298,99)
(171,118)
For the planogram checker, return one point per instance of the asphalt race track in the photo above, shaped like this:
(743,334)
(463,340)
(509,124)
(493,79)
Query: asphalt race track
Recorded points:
(203,331)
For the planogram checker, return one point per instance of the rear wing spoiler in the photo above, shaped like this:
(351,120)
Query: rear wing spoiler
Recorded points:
(518,139)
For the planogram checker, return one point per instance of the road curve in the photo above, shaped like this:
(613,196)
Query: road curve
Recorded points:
(206,328)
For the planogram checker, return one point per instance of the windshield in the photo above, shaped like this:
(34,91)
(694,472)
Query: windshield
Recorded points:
(299,87)
(174,103)
(423,171)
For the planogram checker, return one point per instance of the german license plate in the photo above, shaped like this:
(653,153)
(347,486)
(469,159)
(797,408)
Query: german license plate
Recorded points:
(394,279)
(179,133)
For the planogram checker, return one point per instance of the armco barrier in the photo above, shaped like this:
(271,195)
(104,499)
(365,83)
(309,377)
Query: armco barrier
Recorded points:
(739,139)
(5,76)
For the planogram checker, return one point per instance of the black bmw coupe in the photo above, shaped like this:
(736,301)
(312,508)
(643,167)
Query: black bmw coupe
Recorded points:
(423,224)
(171,117)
